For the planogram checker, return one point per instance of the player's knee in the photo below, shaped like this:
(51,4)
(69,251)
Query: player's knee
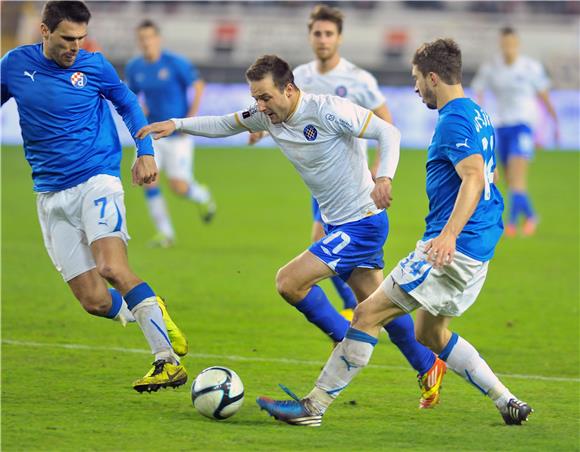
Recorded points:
(179,187)
(285,285)
(361,318)
(110,271)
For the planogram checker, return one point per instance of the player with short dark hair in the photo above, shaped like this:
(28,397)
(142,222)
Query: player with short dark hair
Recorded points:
(71,143)
(517,82)
(163,79)
(443,276)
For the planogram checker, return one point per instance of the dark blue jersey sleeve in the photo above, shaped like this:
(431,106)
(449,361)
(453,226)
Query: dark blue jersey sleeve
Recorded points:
(126,104)
(4,78)
(458,138)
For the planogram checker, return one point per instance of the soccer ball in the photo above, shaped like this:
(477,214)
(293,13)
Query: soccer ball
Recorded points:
(217,392)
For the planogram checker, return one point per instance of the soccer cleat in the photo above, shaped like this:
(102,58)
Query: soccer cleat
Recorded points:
(510,230)
(207,210)
(515,412)
(347,314)
(160,241)
(430,384)
(293,412)
(177,338)
(162,375)
(529,227)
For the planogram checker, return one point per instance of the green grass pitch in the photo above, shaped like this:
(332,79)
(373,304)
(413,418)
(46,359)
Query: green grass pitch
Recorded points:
(66,376)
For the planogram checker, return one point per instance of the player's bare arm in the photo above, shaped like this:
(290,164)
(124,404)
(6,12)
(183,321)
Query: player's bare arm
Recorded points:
(198,88)
(545,98)
(441,250)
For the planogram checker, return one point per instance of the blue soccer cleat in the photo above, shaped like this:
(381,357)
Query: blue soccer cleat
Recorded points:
(293,412)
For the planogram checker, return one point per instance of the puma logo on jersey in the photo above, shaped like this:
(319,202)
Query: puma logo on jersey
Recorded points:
(462,145)
(28,74)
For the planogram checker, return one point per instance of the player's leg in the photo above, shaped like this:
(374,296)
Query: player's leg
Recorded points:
(165,236)
(345,362)
(401,331)
(67,247)
(505,143)
(518,169)
(465,360)
(296,283)
(180,171)
(344,291)
(104,223)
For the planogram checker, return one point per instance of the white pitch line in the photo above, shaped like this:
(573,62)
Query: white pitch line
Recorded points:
(254,359)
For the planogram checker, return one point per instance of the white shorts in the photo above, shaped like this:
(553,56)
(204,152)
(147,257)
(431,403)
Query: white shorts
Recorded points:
(174,156)
(449,291)
(74,218)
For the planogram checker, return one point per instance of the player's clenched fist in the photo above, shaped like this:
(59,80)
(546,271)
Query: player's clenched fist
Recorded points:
(144,170)
(381,194)
(160,129)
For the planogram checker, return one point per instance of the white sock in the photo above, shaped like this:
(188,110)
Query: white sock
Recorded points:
(148,316)
(159,213)
(124,315)
(198,193)
(464,360)
(346,361)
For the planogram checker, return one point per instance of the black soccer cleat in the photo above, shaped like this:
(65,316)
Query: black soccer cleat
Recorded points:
(515,412)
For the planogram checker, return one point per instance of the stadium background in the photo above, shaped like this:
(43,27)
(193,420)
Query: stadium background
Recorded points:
(66,376)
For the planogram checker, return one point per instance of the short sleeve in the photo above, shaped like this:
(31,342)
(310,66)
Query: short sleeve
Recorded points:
(252,120)
(540,78)
(345,117)
(371,96)
(187,71)
(458,138)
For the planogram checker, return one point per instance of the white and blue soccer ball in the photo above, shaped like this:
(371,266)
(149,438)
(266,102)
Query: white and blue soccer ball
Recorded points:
(217,393)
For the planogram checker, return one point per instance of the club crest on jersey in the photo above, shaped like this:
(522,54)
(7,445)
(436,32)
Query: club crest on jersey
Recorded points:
(341,91)
(310,132)
(78,80)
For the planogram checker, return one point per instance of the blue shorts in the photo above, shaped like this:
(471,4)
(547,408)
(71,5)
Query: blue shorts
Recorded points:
(353,245)
(316,216)
(514,141)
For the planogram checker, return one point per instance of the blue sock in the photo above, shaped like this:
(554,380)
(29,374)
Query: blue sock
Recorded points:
(137,294)
(117,302)
(318,310)
(152,192)
(515,206)
(402,334)
(345,292)
(527,206)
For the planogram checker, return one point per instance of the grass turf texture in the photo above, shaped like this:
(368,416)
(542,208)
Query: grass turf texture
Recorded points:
(219,283)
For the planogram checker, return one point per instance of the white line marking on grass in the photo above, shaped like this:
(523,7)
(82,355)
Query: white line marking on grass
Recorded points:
(254,359)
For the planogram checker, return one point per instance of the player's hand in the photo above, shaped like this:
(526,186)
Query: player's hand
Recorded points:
(160,129)
(255,137)
(144,170)
(381,194)
(441,250)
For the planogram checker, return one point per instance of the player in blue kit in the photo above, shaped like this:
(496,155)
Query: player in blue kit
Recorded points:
(71,143)
(444,274)
(163,79)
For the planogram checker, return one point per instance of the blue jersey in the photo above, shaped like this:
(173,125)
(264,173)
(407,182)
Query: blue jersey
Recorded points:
(68,132)
(163,83)
(463,129)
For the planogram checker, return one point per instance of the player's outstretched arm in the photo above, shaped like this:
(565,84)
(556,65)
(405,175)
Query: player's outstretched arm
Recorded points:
(158,129)
(441,250)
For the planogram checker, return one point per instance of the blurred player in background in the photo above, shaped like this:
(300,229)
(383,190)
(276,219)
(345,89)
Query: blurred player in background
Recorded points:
(317,133)
(517,82)
(163,79)
(443,276)
(71,143)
